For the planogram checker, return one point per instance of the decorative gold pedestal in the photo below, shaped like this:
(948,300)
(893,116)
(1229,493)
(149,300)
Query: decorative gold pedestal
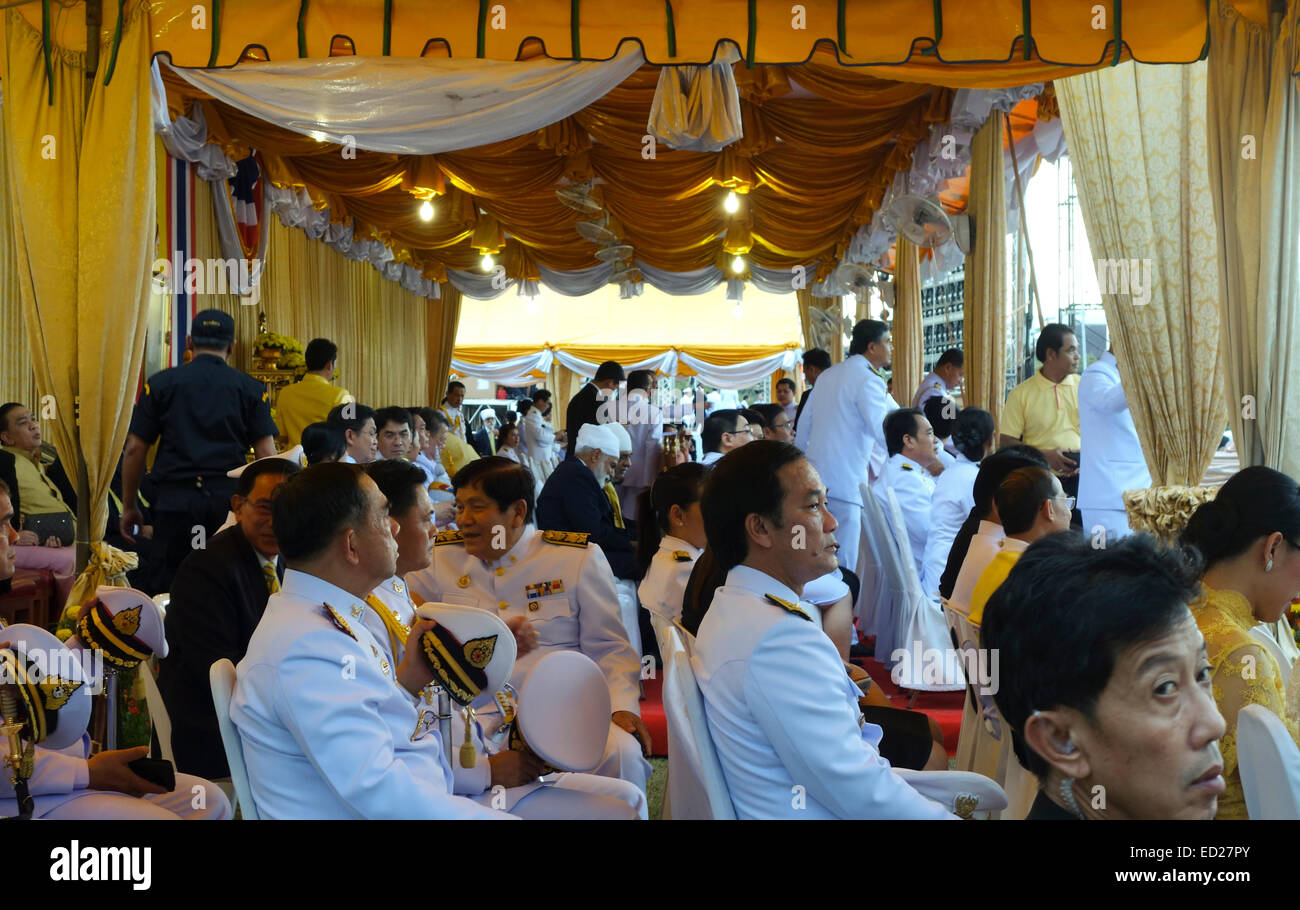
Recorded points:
(1164,511)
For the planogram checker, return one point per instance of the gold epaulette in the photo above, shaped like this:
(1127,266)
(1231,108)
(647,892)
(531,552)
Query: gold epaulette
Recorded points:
(681,556)
(787,606)
(907,467)
(566,538)
(339,622)
(446,537)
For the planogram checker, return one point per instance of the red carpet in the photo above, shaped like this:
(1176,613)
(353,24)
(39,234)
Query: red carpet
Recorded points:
(944,707)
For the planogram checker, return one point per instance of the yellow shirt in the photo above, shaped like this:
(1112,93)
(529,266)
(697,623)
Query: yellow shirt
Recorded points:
(307,401)
(456,453)
(1225,619)
(990,580)
(36,492)
(1044,414)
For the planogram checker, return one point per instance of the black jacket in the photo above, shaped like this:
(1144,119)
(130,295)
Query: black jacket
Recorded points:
(217,597)
(582,409)
(571,500)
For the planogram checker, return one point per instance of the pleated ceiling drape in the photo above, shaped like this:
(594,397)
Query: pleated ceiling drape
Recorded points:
(907,322)
(984,308)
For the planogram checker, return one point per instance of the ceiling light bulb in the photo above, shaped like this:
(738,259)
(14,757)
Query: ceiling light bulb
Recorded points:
(426,210)
(737,264)
(488,262)
(732,203)
(738,311)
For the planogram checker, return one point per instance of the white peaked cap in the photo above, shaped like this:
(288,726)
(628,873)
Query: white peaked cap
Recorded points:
(598,436)
(294,455)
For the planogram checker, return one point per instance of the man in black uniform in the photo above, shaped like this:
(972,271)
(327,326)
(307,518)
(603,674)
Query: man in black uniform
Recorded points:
(584,408)
(208,415)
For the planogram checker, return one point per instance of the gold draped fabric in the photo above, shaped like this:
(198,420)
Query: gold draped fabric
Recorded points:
(564,384)
(1254,128)
(440,340)
(984,308)
(1148,204)
(823,328)
(16,380)
(81,180)
(906,329)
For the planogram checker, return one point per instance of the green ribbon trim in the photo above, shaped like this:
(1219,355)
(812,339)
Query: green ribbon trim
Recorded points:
(842,27)
(938,21)
(672,29)
(574,29)
(482,28)
(117,42)
(302,28)
(1029,39)
(752,40)
(46,50)
(1118,16)
(216,32)
(388,25)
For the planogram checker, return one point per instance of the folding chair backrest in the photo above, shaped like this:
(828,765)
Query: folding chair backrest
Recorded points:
(698,789)
(1269,762)
(158,716)
(222,677)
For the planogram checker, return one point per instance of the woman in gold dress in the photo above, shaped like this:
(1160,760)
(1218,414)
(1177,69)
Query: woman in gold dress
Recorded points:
(1249,537)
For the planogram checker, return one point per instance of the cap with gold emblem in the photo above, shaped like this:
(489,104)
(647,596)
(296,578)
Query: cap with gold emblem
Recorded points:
(51,682)
(471,651)
(125,624)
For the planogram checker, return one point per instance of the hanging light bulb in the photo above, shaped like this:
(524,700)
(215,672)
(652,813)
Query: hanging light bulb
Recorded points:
(738,311)
(732,203)
(487,262)
(426,210)
(737,264)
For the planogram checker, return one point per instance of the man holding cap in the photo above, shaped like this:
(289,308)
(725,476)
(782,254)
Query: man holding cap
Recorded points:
(206,415)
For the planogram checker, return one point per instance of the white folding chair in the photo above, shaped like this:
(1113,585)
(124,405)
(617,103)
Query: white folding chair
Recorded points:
(697,788)
(1262,635)
(686,639)
(1269,763)
(661,625)
(222,677)
(881,540)
(875,599)
(158,716)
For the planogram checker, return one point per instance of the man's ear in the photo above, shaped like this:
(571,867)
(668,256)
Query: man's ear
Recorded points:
(517,512)
(235,502)
(1048,734)
(349,547)
(758,530)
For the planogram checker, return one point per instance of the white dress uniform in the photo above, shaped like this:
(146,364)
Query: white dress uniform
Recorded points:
(567,795)
(914,488)
(954,497)
(664,585)
(565,588)
(984,545)
(456,418)
(930,386)
(1110,455)
(326,729)
(784,715)
(645,425)
(539,444)
(841,430)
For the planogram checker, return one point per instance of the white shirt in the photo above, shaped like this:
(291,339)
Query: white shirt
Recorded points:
(983,547)
(1110,455)
(664,585)
(784,715)
(930,386)
(457,420)
(914,489)
(645,427)
(326,729)
(710,457)
(842,429)
(954,497)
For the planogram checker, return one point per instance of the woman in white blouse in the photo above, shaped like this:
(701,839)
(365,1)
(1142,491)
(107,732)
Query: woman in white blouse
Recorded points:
(539,440)
(508,443)
(670,537)
(954,496)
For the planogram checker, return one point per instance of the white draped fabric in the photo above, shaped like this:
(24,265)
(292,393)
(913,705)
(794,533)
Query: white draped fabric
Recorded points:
(665,363)
(740,375)
(697,108)
(414,106)
(525,370)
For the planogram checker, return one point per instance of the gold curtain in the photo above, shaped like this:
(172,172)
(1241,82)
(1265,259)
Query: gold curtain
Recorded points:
(82,214)
(563,384)
(1146,204)
(17,383)
(906,329)
(1252,116)
(984,308)
(823,329)
(441,318)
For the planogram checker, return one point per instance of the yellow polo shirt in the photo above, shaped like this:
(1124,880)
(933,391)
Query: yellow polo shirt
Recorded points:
(36,492)
(307,401)
(1044,414)
(991,579)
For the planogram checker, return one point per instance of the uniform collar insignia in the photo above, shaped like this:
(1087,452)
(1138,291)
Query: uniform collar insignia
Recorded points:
(907,466)
(448,537)
(398,587)
(681,556)
(339,622)
(787,606)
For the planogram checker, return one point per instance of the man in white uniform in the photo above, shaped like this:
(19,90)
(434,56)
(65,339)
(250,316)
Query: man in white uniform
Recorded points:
(451,409)
(911,451)
(842,428)
(780,707)
(555,580)
(330,727)
(1110,455)
(943,379)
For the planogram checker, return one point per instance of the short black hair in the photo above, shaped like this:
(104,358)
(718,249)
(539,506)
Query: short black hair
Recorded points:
(743,482)
(1057,643)
(323,441)
(953,356)
(503,481)
(817,358)
(398,480)
(393,414)
(454,384)
(610,369)
(1020,495)
(677,486)
(539,395)
(996,467)
(867,332)
(524,405)
(315,506)
(1253,503)
(787,381)
(941,411)
(248,479)
(5,409)
(720,421)
(641,379)
(433,419)
(357,422)
(1050,339)
(971,432)
(768,411)
(898,423)
(320,351)
(754,417)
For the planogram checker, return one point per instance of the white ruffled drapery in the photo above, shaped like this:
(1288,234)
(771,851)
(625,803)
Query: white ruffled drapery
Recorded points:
(524,370)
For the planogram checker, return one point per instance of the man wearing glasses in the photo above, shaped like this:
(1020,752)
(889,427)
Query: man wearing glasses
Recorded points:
(723,431)
(1031,504)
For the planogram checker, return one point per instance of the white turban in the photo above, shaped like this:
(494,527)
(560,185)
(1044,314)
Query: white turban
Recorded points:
(594,436)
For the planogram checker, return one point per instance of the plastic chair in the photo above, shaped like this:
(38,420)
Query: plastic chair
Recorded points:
(162,722)
(697,788)
(875,599)
(881,540)
(1262,636)
(1269,763)
(685,638)
(222,677)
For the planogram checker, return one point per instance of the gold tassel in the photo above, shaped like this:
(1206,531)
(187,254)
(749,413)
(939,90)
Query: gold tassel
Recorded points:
(468,754)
